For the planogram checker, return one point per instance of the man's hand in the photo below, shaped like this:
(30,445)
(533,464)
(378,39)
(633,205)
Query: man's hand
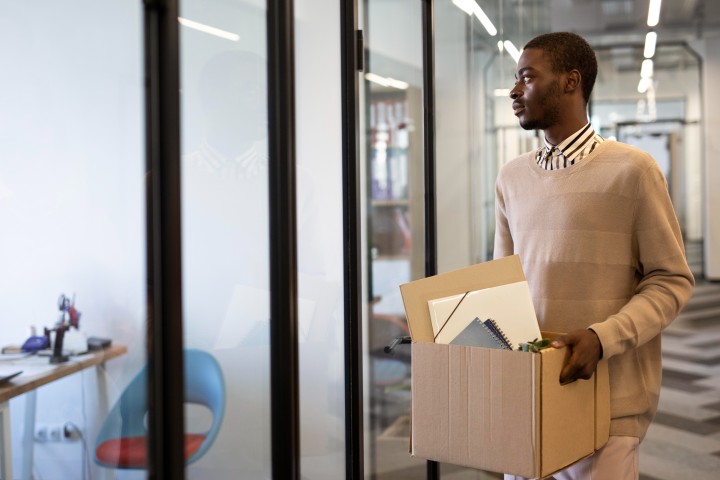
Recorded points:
(585,353)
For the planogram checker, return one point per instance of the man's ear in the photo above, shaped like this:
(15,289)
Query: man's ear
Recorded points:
(572,81)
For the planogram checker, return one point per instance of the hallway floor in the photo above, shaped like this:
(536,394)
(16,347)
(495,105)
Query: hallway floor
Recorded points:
(684,439)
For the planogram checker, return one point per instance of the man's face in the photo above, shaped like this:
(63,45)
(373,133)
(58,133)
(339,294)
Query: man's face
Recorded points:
(537,94)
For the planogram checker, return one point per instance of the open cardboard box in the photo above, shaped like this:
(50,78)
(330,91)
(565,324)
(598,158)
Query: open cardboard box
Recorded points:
(497,410)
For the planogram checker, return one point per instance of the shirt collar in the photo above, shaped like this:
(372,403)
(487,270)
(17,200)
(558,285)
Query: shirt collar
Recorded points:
(572,146)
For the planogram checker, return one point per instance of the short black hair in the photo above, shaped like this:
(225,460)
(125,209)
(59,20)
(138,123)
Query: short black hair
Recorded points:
(569,51)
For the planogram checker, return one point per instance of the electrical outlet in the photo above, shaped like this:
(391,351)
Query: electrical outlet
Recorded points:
(55,433)
(41,433)
(71,432)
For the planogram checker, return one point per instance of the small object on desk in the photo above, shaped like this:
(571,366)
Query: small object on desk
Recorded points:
(6,377)
(69,317)
(35,343)
(98,343)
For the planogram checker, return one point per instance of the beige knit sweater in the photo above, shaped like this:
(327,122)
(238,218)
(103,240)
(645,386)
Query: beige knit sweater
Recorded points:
(601,248)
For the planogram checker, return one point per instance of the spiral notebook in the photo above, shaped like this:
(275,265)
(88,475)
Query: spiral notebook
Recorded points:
(479,333)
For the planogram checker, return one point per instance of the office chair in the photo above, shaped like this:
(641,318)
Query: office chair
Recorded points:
(122,441)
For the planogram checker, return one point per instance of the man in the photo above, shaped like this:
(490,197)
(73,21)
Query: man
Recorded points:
(599,242)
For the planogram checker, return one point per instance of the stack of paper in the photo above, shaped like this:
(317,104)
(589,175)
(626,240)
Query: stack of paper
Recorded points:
(509,306)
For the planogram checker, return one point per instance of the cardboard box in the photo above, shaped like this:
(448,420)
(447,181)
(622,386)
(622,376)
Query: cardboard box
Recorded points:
(497,410)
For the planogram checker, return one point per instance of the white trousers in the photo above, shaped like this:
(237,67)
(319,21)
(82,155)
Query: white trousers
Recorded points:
(617,460)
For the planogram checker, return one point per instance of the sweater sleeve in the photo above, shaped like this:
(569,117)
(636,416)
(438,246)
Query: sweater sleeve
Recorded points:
(503,239)
(665,282)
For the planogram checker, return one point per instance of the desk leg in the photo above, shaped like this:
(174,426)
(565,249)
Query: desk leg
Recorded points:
(103,409)
(29,434)
(6,451)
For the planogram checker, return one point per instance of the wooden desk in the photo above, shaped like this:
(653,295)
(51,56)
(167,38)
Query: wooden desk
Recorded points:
(28,383)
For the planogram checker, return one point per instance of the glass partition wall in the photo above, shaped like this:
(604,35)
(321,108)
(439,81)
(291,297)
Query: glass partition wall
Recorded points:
(225,222)
(476,45)
(73,185)
(394,165)
(73,181)
(226,244)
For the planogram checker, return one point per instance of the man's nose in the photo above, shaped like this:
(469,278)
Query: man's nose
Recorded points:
(514,92)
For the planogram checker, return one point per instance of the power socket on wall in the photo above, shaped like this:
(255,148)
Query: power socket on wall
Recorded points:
(57,432)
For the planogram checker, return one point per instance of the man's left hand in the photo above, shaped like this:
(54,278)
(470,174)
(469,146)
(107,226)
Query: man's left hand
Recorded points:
(585,353)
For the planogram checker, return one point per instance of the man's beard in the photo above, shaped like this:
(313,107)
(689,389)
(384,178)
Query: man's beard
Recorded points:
(550,105)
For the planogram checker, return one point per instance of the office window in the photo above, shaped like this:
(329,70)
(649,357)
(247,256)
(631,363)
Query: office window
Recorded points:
(226,298)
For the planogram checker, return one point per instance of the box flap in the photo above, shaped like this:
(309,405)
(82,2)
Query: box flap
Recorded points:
(483,275)
(602,404)
(568,425)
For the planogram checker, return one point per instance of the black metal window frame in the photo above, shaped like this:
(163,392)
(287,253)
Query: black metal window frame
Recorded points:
(164,247)
(428,43)
(351,60)
(284,370)
(164,242)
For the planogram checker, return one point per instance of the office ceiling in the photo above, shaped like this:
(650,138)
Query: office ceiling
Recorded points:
(602,21)
(612,21)
(615,26)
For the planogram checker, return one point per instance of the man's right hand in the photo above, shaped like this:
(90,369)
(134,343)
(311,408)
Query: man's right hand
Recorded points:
(585,353)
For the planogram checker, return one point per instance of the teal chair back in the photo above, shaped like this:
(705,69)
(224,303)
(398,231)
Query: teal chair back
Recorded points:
(122,440)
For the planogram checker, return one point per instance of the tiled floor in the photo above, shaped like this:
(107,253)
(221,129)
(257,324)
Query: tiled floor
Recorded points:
(684,440)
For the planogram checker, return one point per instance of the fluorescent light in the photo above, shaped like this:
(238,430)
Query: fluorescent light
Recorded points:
(500,45)
(471,7)
(501,92)
(484,20)
(643,85)
(208,29)
(646,70)
(650,40)
(465,5)
(512,50)
(397,83)
(376,79)
(387,81)
(653,13)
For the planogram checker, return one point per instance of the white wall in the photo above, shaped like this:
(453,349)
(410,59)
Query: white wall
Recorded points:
(72,197)
(711,68)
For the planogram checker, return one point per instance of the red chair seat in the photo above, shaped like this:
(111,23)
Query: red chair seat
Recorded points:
(131,452)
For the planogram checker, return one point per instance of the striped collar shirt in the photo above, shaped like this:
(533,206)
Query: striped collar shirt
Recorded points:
(570,151)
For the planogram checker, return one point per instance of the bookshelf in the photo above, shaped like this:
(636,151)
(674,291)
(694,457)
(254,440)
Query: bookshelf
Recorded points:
(395,176)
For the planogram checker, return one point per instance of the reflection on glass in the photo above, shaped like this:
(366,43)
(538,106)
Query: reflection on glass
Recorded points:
(225,233)
(395,192)
(320,226)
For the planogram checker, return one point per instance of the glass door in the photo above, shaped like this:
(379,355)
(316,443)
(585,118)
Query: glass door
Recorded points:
(394,159)
(227,212)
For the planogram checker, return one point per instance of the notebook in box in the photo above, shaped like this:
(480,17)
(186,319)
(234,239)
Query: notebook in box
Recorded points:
(480,333)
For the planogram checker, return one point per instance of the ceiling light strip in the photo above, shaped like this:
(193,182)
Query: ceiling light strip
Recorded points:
(208,29)
(653,13)
(650,42)
(471,7)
